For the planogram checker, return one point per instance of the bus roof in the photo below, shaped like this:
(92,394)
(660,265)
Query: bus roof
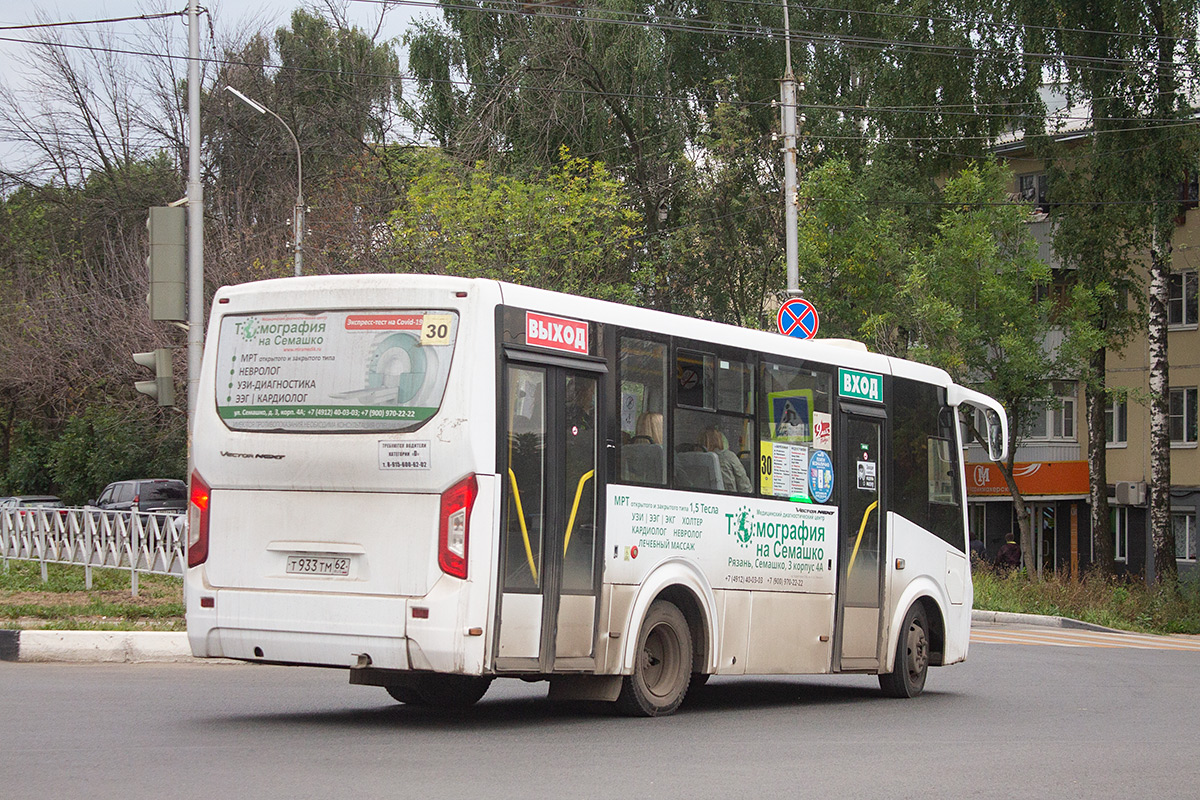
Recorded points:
(381,287)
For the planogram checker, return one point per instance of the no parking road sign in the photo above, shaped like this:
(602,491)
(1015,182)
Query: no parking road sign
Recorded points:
(798,318)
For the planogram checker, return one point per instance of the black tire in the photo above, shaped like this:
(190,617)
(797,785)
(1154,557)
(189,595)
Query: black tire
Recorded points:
(662,668)
(451,692)
(405,694)
(907,678)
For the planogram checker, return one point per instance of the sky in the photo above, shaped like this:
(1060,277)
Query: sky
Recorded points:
(227,16)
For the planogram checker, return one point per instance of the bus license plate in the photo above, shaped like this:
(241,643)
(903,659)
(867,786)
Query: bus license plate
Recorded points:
(318,565)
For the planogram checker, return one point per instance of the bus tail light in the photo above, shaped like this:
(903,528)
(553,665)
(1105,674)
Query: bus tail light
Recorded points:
(453,530)
(197,521)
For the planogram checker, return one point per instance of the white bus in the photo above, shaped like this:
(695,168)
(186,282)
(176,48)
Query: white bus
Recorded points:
(433,482)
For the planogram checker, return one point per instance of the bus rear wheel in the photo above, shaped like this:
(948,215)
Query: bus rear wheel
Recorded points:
(452,692)
(907,678)
(662,668)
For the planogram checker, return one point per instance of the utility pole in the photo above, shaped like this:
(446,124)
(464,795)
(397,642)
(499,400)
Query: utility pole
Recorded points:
(195,210)
(791,210)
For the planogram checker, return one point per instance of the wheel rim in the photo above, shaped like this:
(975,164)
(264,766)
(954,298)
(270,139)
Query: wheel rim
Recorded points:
(661,659)
(918,652)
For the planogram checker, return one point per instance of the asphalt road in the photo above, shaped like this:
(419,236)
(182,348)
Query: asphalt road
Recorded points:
(1015,721)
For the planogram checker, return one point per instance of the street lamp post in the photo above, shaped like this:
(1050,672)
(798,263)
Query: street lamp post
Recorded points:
(298,216)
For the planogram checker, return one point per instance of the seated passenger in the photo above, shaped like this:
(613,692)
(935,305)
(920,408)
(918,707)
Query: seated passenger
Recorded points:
(649,428)
(733,474)
(643,458)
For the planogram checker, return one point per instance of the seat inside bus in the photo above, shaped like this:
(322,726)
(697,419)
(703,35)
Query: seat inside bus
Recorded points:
(698,470)
(644,463)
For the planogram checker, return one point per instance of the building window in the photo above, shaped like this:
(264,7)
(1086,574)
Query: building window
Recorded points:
(1119,516)
(1181,299)
(1032,189)
(1054,419)
(1116,422)
(1183,522)
(1181,421)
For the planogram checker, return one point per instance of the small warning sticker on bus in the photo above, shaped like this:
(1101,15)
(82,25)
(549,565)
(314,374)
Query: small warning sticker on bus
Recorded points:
(404,455)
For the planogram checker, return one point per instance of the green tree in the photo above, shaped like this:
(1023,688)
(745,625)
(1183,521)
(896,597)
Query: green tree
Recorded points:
(854,253)
(576,78)
(338,89)
(569,231)
(970,294)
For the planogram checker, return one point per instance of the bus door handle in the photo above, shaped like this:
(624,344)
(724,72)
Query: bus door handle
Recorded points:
(587,476)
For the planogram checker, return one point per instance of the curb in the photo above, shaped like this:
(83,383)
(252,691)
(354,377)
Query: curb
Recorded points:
(106,647)
(1012,618)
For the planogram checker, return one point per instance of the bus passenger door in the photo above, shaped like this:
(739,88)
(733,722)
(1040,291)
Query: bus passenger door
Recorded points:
(550,536)
(860,541)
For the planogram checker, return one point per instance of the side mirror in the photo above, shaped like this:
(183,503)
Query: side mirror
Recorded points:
(995,420)
(995,435)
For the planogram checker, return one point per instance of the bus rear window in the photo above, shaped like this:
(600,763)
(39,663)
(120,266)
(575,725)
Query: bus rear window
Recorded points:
(333,371)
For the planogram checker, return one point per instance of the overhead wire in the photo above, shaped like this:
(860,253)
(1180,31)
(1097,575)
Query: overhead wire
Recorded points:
(969,110)
(843,109)
(839,109)
(75,23)
(689,25)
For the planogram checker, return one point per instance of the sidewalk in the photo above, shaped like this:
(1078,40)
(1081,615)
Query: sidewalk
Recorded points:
(133,647)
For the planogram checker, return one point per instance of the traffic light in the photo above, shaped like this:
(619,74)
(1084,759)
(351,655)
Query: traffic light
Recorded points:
(167,263)
(162,388)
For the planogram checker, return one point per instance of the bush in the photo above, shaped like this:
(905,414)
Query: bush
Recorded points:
(1114,602)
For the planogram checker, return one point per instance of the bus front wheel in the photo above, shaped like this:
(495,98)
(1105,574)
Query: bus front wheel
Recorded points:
(440,691)
(662,668)
(907,678)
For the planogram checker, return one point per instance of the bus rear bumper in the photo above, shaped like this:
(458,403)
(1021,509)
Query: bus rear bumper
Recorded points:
(337,630)
(292,628)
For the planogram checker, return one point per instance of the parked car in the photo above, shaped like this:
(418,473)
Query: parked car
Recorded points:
(27,502)
(149,494)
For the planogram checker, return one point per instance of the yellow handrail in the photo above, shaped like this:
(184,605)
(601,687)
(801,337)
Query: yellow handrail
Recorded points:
(524,530)
(861,528)
(587,476)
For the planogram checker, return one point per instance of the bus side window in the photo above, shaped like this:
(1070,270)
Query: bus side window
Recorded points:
(795,413)
(642,371)
(925,460)
(714,423)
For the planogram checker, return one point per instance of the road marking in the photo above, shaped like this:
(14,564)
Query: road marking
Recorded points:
(1076,638)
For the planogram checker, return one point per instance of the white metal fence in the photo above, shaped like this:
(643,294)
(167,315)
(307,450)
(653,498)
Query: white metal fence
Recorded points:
(128,540)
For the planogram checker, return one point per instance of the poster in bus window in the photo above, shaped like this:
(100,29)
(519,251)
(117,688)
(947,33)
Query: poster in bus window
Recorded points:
(633,403)
(822,430)
(866,476)
(783,471)
(791,415)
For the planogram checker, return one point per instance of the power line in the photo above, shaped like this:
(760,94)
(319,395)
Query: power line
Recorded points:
(72,23)
(970,110)
(681,24)
(463,82)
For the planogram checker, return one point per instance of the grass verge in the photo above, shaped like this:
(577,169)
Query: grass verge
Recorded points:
(1126,604)
(64,603)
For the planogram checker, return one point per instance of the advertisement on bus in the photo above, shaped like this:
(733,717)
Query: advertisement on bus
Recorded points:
(739,542)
